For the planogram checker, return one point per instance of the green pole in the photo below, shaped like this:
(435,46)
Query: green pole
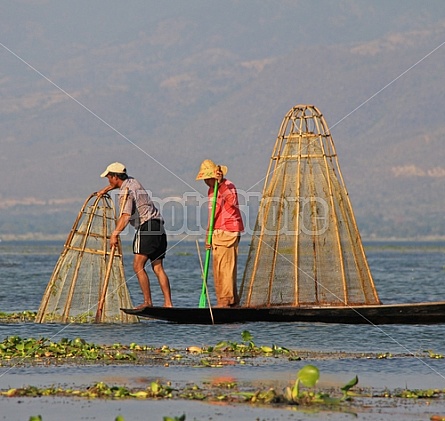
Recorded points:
(202,299)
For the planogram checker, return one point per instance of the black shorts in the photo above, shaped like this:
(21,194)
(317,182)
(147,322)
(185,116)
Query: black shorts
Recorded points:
(150,239)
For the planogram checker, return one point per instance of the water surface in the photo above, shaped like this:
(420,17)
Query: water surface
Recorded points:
(403,272)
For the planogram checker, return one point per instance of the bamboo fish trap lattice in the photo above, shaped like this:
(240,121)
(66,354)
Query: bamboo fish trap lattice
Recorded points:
(88,282)
(306,248)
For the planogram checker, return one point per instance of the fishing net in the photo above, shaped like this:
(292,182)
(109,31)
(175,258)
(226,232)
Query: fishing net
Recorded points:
(306,248)
(88,282)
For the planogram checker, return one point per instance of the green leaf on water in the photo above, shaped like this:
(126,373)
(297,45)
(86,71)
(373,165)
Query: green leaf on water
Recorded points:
(309,375)
(348,386)
(247,336)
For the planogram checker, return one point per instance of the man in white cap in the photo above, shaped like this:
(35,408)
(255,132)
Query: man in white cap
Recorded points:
(150,240)
(228,225)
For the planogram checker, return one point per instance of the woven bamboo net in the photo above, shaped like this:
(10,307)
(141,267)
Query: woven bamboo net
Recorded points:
(306,248)
(87,274)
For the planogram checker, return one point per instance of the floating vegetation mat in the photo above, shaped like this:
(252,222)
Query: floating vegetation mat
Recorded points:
(302,393)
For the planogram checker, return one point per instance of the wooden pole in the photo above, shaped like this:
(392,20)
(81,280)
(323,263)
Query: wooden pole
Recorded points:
(100,306)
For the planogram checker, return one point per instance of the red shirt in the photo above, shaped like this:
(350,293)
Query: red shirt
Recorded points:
(227,213)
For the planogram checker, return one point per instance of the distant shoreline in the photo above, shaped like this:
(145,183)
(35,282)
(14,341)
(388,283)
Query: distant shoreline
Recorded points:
(172,238)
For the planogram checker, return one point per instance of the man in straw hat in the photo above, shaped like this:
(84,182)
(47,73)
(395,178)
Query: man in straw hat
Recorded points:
(228,226)
(150,240)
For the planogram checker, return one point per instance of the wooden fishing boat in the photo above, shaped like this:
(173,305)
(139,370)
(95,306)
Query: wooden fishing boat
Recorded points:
(306,261)
(409,313)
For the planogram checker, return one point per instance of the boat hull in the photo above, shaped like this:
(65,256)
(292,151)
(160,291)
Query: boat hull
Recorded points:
(413,313)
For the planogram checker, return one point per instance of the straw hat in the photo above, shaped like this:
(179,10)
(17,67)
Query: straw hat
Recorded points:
(208,170)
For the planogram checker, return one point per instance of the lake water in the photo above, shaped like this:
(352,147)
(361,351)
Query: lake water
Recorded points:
(403,272)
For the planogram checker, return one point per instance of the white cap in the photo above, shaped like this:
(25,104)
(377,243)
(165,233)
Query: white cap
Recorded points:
(115,167)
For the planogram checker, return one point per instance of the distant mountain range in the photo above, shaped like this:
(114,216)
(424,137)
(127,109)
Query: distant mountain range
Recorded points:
(163,88)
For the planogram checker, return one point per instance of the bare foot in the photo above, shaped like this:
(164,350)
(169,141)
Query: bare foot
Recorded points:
(142,306)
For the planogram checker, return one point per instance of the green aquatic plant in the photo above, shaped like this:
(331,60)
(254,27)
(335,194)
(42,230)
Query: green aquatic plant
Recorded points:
(17,347)
(248,348)
(181,418)
(261,396)
(345,389)
(309,376)
(224,353)
(193,392)
(413,394)
(22,316)
(224,392)
(99,390)
(247,337)
(432,354)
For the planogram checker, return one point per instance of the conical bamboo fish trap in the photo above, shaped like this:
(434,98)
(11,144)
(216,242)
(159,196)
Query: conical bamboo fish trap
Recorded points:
(88,275)
(306,248)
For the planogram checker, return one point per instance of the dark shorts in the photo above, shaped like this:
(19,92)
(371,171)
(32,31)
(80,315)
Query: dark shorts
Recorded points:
(150,239)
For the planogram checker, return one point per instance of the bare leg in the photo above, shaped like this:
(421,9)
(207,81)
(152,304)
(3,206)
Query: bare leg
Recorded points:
(164,282)
(139,269)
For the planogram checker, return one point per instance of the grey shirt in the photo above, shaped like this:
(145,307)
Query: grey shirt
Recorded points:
(139,204)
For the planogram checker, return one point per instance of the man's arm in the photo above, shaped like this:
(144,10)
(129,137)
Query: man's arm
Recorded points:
(122,222)
(105,190)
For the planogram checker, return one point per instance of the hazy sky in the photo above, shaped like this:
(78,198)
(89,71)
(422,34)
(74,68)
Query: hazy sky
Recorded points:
(162,85)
